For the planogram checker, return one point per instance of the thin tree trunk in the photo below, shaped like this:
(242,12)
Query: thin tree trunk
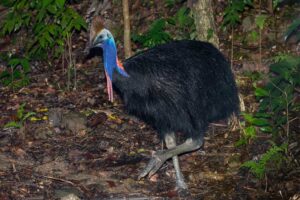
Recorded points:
(127,43)
(204,21)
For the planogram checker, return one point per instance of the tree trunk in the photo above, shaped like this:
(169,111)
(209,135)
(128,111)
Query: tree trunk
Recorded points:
(127,43)
(204,21)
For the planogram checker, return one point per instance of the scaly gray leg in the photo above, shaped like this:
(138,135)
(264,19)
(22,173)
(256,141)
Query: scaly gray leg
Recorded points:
(170,141)
(159,158)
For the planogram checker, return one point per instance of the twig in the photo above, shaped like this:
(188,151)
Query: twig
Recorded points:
(58,179)
(63,180)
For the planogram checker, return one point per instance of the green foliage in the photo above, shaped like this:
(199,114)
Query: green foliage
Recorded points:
(275,4)
(21,117)
(182,24)
(16,75)
(260,21)
(250,125)
(270,160)
(47,23)
(277,97)
(282,57)
(277,105)
(249,133)
(155,35)
(253,35)
(170,3)
(182,18)
(233,11)
(158,32)
(294,28)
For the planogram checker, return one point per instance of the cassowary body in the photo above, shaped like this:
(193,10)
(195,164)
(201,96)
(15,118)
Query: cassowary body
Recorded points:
(181,86)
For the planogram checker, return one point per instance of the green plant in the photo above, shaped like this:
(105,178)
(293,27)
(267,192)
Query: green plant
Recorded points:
(182,24)
(16,75)
(277,100)
(159,32)
(251,124)
(271,160)
(46,22)
(275,3)
(155,35)
(277,109)
(232,12)
(170,3)
(21,117)
(231,17)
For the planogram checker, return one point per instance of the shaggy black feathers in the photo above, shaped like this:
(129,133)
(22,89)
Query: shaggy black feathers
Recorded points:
(181,86)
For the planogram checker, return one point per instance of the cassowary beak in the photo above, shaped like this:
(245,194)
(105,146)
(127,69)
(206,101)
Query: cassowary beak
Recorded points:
(98,41)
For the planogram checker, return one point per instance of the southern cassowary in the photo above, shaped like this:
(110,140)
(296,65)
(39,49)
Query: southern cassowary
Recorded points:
(181,86)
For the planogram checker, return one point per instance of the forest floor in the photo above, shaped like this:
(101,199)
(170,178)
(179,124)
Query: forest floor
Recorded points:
(96,150)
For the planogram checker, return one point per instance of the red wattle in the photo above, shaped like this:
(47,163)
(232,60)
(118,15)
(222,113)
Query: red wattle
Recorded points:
(109,88)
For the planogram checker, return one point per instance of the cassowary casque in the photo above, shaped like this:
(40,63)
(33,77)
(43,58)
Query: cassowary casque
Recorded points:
(181,86)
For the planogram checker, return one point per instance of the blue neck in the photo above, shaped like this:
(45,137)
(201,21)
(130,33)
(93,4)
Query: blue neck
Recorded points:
(110,58)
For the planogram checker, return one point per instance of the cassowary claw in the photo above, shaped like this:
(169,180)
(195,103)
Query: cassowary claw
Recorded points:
(154,165)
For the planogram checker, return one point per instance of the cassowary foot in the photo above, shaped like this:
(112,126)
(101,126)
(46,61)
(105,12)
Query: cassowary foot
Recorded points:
(157,160)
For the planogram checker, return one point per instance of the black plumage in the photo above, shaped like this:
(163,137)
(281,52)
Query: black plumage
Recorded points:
(181,86)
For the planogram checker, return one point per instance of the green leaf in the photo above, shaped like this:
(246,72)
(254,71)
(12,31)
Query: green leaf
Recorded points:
(182,15)
(4,74)
(14,62)
(12,124)
(250,132)
(20,111)
(254,35)
(27,115)
(17,74)
(275,4)
(260,122)
(52,9)
(45,3)
(260,21)
(25,64)
(170,3)
(41,15)
(260,92)
(248,117)
(60,3)
(232,12)
(262,115)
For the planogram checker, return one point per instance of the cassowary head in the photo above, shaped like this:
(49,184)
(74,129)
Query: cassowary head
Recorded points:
(101,37)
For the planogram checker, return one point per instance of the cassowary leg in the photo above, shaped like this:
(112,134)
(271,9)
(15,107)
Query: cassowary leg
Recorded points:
(160,157)
(170,140)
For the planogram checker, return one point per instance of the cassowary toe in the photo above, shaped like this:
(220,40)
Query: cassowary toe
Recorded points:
(157,160)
